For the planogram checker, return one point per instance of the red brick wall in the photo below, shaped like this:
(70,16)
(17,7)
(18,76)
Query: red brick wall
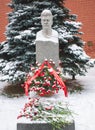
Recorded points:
(85,9)
(4,9)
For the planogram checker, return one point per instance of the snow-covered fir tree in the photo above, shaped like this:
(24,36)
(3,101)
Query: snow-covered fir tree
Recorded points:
(18,52)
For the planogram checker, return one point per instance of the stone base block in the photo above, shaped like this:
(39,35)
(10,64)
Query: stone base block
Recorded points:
(42,126)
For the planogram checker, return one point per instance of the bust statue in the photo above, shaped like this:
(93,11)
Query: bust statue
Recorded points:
(47,33)
(47,45)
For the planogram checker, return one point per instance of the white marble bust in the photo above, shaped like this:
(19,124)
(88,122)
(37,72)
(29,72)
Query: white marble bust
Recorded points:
(47,33)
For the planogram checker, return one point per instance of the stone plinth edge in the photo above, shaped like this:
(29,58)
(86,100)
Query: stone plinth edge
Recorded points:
(43,126)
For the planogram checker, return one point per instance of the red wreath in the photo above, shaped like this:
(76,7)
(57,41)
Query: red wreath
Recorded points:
(36,74)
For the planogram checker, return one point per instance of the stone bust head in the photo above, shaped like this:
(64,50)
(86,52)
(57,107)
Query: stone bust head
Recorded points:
(47,33)
(46,19)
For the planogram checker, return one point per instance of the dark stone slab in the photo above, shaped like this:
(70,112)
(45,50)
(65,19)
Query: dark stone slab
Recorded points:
(42,126)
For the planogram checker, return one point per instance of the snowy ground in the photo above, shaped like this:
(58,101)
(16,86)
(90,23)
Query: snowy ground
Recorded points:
(82,104)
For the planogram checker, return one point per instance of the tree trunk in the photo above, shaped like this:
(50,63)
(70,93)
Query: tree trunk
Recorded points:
(73,77)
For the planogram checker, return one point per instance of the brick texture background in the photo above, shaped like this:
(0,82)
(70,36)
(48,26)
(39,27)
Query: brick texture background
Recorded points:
(4,9)
(85,9)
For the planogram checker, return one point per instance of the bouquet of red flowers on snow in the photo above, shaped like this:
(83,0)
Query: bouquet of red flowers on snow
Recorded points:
(44,79)
(54,113)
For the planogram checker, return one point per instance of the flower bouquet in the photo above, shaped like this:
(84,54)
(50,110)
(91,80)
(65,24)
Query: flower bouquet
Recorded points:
(47,112)
(44,80)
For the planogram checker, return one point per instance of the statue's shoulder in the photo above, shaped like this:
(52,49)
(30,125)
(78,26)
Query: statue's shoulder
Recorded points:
(39,35)
(54,30)
(39,32)
(55,33)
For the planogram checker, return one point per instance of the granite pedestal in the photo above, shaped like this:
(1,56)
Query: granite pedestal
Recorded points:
(47,50)
(42,126)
